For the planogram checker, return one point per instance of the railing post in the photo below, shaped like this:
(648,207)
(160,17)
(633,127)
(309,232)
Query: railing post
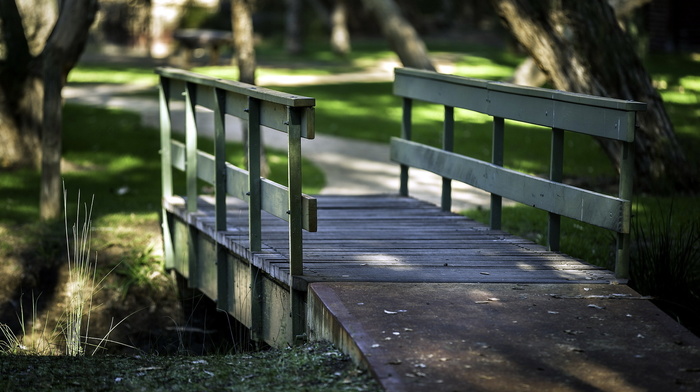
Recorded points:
(405,134)
(220,157)
(556,173)
(254,202)
(296,251)
(622,258)
(223,282)
(166,168)
(448,145)
(191,145)
(497,159)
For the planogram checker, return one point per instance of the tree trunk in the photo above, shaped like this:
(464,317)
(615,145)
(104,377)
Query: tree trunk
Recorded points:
(402,37)
(340,36)
(62,51)
(293,41)
(529,74)
(244,46)
(20,89)
(581,47)
(243,40)
(20,123)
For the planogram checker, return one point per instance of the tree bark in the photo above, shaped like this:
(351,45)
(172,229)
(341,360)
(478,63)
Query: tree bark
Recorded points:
(62,51)
(244,46)
(529,74)
(403,38)
(243,40)
(30,88)
(581,47)
(20,89)
(293,41)
(340,36)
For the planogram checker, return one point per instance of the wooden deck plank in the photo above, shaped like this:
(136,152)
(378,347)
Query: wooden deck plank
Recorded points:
(388,238)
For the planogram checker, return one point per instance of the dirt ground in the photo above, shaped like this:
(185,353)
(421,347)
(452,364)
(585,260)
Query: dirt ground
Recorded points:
(134,313)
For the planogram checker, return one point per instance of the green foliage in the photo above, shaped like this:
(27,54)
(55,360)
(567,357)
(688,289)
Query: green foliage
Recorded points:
(666,262)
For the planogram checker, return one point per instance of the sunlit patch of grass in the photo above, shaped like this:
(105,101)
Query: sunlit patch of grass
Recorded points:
(691,82)
(681,97)
(482,68)
(113,74)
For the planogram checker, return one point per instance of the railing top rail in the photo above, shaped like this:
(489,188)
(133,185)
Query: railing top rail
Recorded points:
(261,93)
(555,95)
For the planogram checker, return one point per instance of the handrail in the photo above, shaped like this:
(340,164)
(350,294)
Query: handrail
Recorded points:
(561,111)
(259,107)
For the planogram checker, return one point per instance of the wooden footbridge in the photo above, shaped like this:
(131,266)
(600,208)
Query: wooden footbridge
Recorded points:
(423,297)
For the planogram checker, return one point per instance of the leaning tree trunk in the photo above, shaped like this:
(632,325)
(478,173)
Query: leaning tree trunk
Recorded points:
(402,37)
(62,51)
(30,87)
(529,74)
(581,47)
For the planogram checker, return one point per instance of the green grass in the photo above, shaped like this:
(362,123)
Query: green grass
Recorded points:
(587,242)
(313,367)
(112,151)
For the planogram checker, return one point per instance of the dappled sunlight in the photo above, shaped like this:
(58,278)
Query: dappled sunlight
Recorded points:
(125,163)
(482,68)
(680,97)
(691,83)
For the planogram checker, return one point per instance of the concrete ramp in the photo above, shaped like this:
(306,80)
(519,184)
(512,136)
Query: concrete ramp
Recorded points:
(506,337)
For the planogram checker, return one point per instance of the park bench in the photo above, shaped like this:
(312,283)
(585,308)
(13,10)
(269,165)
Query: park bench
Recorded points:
(216,242)
(208,40)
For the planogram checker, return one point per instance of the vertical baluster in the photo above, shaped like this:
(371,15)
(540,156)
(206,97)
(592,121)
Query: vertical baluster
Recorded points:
(296,251)
(294,186)
(625,192)
(497,159)
(191,145)
(448,145)
(220,157)
(254,202)
(166,168)
(556,173)
(223,282)
(405,134)
(191,180)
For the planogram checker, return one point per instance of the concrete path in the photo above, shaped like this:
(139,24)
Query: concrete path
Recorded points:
(350,166)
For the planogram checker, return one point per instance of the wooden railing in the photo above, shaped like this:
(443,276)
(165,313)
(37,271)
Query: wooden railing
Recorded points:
(258,107)
(561,111)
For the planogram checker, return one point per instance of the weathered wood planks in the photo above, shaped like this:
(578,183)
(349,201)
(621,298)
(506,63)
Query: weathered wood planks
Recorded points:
(387,238)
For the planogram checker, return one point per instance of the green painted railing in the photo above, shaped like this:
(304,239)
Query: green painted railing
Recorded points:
(258,107)
(561,111)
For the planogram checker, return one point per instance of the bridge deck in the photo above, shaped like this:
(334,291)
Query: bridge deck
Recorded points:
(431,300)
(387,238)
